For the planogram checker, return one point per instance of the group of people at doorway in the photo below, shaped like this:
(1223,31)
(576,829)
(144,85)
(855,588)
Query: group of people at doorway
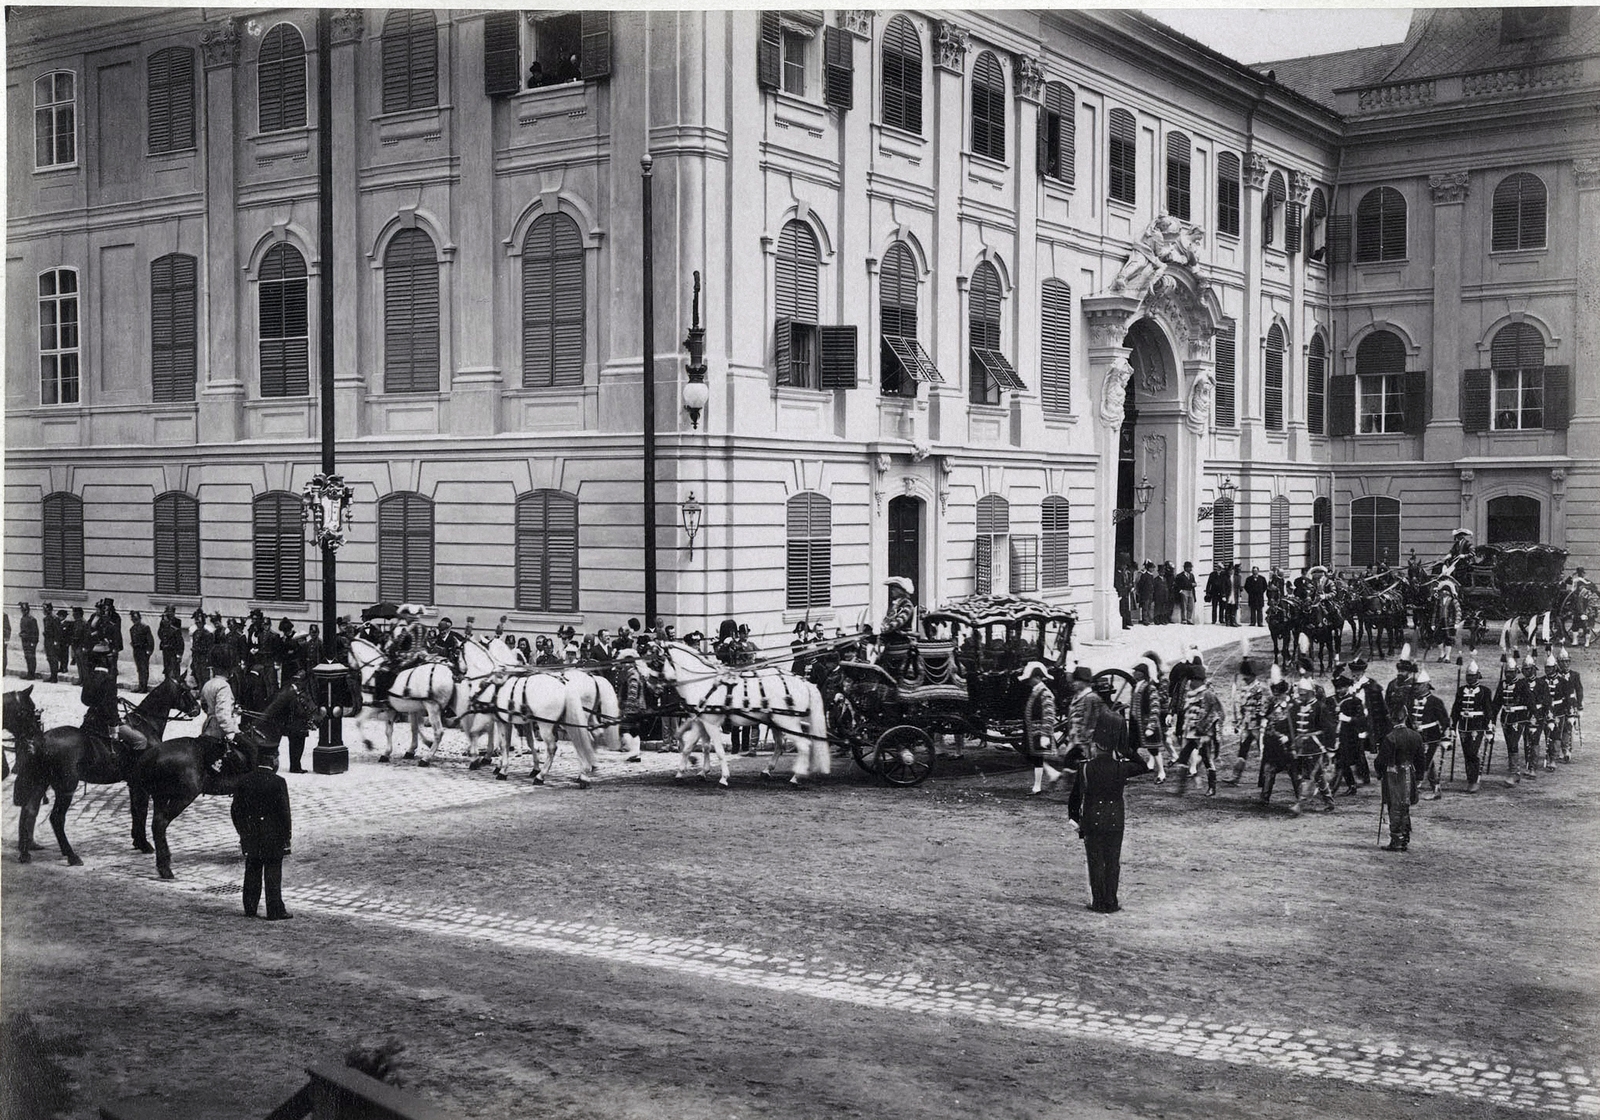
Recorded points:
(1151,593)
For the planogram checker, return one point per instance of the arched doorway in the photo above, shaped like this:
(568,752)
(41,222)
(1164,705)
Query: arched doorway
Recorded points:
(1515,519)
(1127,475)
(905,542)
(1148,445)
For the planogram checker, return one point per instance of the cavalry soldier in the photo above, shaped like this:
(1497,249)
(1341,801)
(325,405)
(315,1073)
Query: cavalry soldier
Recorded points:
(1430,720)
(1248,719)
(1148,712)
(1039,725)
(102,720)
(222,710)
(1202,721)
(1473,714)
(169,636)
(1352,731)
(1376,710)
(1550,700)
(1574,685)
(143,644)
(1514,701)
(1397,697)
(53,640)
(1400,756)
(28,635)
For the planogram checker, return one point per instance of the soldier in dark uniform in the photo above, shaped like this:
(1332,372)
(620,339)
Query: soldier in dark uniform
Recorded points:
(1400,756)
(200,647)
(1096,804)
(28,636)
(1550,698)
(53,639)
(262,818)
(1574,687)
(1473,715)
(1252,710)
(1314,727)
(143,643)
(1377,715)
(1397,697)
(99,695)
(1351,733)
(1514,701)
(79,643)
(169,636)
(1430,720)
(1276,735)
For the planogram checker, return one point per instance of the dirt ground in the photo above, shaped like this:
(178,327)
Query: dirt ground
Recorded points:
(1479,941)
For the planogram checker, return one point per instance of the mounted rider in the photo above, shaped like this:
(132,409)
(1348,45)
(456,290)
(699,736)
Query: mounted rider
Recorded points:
(222,713)
(102,719)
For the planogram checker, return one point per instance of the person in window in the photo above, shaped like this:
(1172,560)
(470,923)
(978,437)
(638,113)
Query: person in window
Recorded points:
(535,75)
(570,70)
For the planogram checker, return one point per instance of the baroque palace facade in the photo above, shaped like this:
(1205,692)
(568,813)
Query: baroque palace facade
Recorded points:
(968,279)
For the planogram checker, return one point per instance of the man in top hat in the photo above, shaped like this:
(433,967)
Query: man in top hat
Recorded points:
(262,818)
(1249,718)
(1202,724)
(1039,725)
(28,636)
(143,643)
(1144,592)
(1473,715)
(1097,805)
(1255,590)
(1430,720)
(169,639)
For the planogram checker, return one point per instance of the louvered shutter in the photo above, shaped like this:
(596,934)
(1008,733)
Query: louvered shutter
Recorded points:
(1067,136)
(769,52)
(595,52)
(1226,415)
(1055,348)
(1416,402)
(797,265)
(1557,397)
(502,56)
(1055,526)
(1273,376)
(281,80)
(165,545)
(838,57)
(173,312)
(1293,217)
(1394,225)
(1369,227)
(410,60)
(1317,227)
(279,553)
(809,552)
(1316,387)
(411,314)
(1476,399)
(391,550)
(1342,406)
(983,566)
(63,542)
(1278,533)
(405,549)
(902,76)
(1124,171)
(1179,162)
(1339,238)
(1531,225)
(547,551)
(1269,209)
(1024,564)
(1041,142)
(570,300)
(838,356)
(177,545)
(1519,213)
(988,107)
(554,296)
(1222,532)
(1228,193)
(170,100)
(782,340)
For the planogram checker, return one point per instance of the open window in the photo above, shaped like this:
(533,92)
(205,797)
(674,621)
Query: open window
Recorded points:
(537,49)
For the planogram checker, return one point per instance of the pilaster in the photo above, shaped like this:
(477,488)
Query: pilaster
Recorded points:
(476,384)
(1247,349)
(1294,355)
(349,384)
(1029,80)
(1585,379)
(1443,437)
(949,123)
(1108,318)
(221,404)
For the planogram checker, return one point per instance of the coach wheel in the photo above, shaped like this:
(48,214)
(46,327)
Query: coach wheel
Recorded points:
(846,726)
(1115,686)
(905,755)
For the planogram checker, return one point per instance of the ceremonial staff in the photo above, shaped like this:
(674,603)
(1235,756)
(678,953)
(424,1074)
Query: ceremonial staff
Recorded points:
(1455,733)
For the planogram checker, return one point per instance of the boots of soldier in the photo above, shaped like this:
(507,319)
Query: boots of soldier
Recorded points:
(1183,780)
(1238,772)
(1211,782)
(630,748)
(1269,779)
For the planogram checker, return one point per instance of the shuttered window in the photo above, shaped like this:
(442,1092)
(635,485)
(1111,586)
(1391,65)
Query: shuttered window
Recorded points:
(1278,533)
(769,51)
(1273,375)
(283,324)
(547,551)
(281,80)
(595,48)
(1317,227)
(1374,531)
(1316,385)
(1225,411)
(1124,135)
(177,544)
(983,324)
(1024,565)
(553,299)
(1271,207)
(1055,348)
(502,54)
(410,60)
(1058,127)
(838,68)
(795,358)
(1054,525)
(410,314)
(988,107)
(174,305)
(1381,226)
(169,100)
(902,76)
(59,339)
(993,529)
(405,549)
(1380,384)
(1179,159)
(1516,356)
(1519,213)
(1228,193)
(279,554)
(902,361)
(1222,532)
(63,542)
(55,120)
(1319,545)
(809,578)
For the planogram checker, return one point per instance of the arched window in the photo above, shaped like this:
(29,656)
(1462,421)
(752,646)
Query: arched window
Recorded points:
(1179,157)
(410,314)
(405,548)
(990,546)
(1224,410)
(1228,193)
(1317,227)
(1278,533)
(1380,383)
(169,100)
(55,119)
(1222,532)
(902,76)
(547,551)
(1058,131)
(983,323)
(797,267)
(988,107)
(1374,531)
(1515,519)
(278,557)
(1519,213)
(1272,208)
(902,360)
(1273,377)
(410,60)
(1319,542)
(1054,525)
(1517,357)
(1316,385)
(59,341)
(176,517)
(1124,158)
(809,567)
(63,542)
(1055,348)
(282,308)
(281,80)
(174,307)
(553,300)
(1381,226)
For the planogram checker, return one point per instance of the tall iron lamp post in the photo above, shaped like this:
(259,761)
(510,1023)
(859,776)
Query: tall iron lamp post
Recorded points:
(648,302)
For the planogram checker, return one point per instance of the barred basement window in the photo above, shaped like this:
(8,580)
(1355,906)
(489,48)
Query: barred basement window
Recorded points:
(988,107)
(62,546)
(169,100)
(405,548)
(1381,226)
(1055,519)
(1228,193)
(553,300)
(547,551)
(283,326)
(1374,531)
(281,80)
(174,302)
(1178,162)
(55,120)
(176,517)
(1278,533)
(1055,348)
(989,549)
(1124,134)
(1224,410)
(1273,376)
(278,559)
(1316,385)
(1057,135)
(1519,213)
(809,553)
(410,314)
(410,60)
(902,76)
(58,336)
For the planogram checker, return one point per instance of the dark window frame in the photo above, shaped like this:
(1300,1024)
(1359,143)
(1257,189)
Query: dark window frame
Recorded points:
(989,108)
(281,80)
(902,76)
(407,557)
(55,327)
(1123,157)
(410,57)
(278,552)
(283,323)
(61,542)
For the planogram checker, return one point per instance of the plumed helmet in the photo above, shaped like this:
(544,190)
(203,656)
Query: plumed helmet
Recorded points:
(1550,661)
(1472,672)
(1562,655)
(1423,680)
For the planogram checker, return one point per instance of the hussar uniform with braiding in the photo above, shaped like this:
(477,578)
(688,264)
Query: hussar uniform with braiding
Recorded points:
(1514,700)
(1311,738)
(1202,719)
(1249,719)
(1574,686)
(1550,697)
(1430,720)
(1473,715)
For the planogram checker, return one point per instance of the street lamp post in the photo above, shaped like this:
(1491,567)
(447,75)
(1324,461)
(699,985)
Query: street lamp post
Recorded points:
(647,267)
(1142,494)
(1225,491)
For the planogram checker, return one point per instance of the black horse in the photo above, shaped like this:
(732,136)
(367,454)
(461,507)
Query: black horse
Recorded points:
(171,776)
(21,720)
(64,756)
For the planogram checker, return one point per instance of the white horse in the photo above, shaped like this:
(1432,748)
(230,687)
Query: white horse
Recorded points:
(719,698)
(418,692)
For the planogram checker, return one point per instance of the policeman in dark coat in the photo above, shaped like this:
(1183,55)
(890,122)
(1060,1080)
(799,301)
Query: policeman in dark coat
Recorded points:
(169,636)
(28,635)
(205,640)
(79,642)
(143,643)
(1096,804)
(54,637)
(1401,756)
(261,818)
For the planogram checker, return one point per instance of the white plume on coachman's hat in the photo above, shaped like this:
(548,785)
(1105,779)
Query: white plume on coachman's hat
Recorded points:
(902,582)
(1031,668)
(1463,531)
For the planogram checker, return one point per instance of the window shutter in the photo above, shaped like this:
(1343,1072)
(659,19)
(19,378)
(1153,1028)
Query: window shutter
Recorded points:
(838,353)
(1342,406)
(983,566)
(410,60)
(1055,525)
(1273,377)
(1067,135)
(1316,387)
(1416,402)
(172,328)
(1179,161)
(279,560)
(1293,217)
(561,541)
(783,336)
(1024,564)
(1394,225)
(1476,396)
(1041,144)
(595,49)
(1278,533)
(1055,349)
(502,56)
(391,550)
(1226,415)
(1123,165)
(411,314)
(769,52)
(838,56)
(902,76)
(1507,215)
(1557,397)
(1269,209)
(570,299)
(170,100)
(1222,532)
(988,107)
(1228,193)
(1339,238)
